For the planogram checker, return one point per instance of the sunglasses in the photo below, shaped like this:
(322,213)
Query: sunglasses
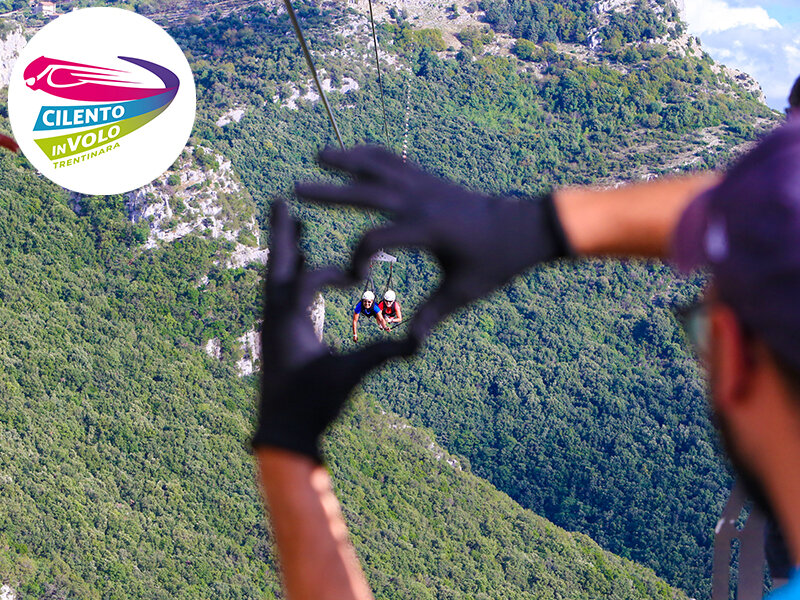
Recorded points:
(695,323)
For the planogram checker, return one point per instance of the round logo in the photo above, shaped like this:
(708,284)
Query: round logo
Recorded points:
(101,101)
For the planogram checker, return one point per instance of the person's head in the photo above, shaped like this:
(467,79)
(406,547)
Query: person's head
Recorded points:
(389,297)
(367,298)
(794,101)
(746,231)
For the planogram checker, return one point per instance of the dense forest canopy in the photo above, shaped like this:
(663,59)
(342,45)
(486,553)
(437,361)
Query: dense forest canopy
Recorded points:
(570,389)
(600,428)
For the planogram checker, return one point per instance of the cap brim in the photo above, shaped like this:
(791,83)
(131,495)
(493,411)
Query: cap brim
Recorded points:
(688,247)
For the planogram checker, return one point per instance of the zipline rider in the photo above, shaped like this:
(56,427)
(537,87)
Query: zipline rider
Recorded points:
(743,226)
(390,307)
(367,307)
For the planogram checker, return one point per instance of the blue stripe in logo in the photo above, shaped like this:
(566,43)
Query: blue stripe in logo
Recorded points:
(67,117)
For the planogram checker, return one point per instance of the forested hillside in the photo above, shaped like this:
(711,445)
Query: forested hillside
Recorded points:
(457,535)
(124,470)
(570,390)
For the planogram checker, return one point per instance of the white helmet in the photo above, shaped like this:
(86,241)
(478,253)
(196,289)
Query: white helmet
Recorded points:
(389,296)
(368,295)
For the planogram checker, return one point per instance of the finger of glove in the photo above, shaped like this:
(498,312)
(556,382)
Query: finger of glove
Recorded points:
(443,302)
(390,236)
(285,259)
(358,364)
(362,194)
(315,280)
(368,162)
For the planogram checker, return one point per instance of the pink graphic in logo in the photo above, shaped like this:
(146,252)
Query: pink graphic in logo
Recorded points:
(76,81)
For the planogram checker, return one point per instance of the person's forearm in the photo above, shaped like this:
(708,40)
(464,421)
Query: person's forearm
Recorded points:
(634,220)
(317,560)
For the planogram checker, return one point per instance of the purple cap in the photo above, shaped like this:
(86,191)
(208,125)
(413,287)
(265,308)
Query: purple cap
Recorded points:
(746,230)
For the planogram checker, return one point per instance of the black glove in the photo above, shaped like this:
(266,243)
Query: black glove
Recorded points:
(481,242)
(303,386)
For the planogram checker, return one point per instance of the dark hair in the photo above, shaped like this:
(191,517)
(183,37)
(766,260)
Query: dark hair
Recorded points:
(794,95)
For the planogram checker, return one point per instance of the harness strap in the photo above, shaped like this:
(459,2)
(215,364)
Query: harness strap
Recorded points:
(389,281)
(751,550)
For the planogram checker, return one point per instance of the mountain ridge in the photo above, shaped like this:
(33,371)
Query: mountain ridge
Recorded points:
(87,278)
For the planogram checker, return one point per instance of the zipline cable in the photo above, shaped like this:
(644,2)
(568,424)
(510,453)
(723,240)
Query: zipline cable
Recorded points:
(313,70)
(310,62)
(380,78)
(408,112)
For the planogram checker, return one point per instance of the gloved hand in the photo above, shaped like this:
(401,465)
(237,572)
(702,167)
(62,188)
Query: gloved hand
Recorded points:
(481,242)
(303,386)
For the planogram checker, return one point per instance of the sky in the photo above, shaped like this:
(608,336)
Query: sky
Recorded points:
(759,37)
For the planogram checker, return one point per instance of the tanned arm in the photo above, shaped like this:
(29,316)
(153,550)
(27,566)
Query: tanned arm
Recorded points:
(303,388)
(317,560)
(634,220)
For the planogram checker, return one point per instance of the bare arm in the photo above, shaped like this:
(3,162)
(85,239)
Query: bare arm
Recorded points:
(634,220)
(355,327)
(317,560)
(399,317)
(303,388)
(381,320)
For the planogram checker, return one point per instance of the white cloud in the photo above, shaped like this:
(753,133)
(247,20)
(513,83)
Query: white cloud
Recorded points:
(772,57)
(743,34)
(793,52)
(713,16)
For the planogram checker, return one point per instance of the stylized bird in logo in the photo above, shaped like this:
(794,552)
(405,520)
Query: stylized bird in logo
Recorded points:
(76,81)
(8,142)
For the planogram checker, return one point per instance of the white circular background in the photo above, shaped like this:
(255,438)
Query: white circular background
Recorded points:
(97,36)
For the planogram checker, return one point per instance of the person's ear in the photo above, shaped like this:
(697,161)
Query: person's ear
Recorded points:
(730,360)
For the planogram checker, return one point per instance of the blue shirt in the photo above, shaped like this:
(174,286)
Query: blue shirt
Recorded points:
(372,311)
(791,591)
